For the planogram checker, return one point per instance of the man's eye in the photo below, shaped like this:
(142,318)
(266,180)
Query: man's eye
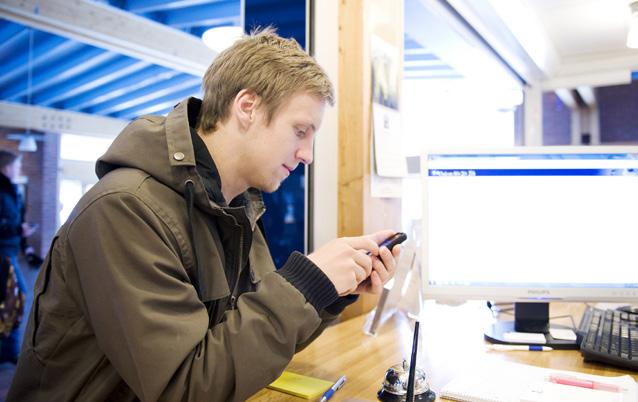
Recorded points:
(301,133)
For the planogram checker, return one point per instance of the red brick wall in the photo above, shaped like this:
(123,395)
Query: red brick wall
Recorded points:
(41,169)
(557,121)
(50,184)
(617,107)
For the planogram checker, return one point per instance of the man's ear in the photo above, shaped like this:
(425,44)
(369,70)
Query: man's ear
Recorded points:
(244,107)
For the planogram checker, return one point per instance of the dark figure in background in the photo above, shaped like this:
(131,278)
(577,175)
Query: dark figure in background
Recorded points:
(13,234)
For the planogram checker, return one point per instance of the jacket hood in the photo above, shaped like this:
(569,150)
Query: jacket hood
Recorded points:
(161,147)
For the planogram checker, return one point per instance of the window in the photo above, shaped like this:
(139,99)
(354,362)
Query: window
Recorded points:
(78,154)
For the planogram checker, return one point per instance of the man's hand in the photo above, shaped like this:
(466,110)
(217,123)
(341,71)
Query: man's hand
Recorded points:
(343,262)
(383,270)
(347,264)
(28,229)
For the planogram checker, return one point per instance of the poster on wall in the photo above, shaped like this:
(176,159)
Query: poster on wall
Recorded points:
(389,163)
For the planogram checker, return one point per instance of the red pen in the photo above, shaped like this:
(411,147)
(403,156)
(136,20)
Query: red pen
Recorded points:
(579,382)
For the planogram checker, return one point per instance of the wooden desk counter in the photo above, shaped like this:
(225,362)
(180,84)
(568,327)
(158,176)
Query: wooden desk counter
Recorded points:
(451,339)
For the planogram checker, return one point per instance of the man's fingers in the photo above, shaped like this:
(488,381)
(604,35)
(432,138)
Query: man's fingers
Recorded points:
(364,261)
(396,251)
(363,243)
(381,270)
(380,236)
(376,285)
(389,262)
(369,243)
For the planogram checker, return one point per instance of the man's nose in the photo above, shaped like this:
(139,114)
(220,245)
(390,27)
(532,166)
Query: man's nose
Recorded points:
(305,154)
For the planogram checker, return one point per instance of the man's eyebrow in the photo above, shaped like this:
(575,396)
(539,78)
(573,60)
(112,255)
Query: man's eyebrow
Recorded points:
(309,125)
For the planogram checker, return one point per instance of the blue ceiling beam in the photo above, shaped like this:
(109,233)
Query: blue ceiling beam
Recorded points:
(208,14)
(158,104)
(155,16)
(14,45)
(146,94)
(117,30)
(89,80)
(420,57)
(44,47)
(206,23)
(83,60)
(146,6)
(117,88)
(9,29)
(439,67)
(409,43)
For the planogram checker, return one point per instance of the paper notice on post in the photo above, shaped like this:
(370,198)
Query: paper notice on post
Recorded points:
(388,153)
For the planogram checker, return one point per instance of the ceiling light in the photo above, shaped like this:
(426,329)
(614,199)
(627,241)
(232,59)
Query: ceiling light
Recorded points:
(27,144)
(220,38)
(26,141)
(632,36)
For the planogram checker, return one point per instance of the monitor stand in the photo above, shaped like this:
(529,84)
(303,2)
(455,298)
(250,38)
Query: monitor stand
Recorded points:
(529,317)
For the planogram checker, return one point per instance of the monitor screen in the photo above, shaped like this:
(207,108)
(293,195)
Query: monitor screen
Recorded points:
(531,224)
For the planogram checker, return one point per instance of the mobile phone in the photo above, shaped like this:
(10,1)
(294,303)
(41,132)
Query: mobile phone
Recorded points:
(393,240)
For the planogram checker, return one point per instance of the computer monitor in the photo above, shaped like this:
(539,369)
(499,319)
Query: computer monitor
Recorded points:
(531,225)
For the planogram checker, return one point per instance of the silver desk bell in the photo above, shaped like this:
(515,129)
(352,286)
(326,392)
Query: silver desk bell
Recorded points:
(395,385)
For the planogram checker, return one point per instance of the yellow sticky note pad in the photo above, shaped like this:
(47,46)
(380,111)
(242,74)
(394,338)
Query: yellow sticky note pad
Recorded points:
(300,385)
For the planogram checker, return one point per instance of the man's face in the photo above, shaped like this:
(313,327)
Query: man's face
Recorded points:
(276,149)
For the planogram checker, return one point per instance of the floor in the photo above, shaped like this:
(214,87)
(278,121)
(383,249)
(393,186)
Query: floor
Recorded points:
(7,369)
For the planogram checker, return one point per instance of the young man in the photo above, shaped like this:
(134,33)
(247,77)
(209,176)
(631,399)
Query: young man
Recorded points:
(160,285)
(13,233)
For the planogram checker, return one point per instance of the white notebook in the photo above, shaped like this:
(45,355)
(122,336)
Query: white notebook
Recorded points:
(500,381)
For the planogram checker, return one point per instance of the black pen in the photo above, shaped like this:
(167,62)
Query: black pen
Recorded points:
(332,389)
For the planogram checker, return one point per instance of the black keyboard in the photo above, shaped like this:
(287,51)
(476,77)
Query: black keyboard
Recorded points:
(610,337)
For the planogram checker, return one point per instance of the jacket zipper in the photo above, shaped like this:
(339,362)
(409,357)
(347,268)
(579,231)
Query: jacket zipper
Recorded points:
(233,296)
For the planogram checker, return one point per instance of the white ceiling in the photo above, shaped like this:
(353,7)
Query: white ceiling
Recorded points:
(558,43)
(585,28)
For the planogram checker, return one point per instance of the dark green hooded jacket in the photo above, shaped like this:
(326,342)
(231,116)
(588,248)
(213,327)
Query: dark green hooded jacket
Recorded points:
(152,291)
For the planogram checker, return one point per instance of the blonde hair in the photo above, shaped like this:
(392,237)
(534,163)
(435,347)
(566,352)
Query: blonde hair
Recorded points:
(267,64)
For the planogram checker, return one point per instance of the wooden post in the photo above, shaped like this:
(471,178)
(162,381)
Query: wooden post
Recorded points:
(358,212)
